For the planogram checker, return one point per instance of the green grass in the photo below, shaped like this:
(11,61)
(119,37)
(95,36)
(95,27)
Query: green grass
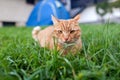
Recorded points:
(21,58)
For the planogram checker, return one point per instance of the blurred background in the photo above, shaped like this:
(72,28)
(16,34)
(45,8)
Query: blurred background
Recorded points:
(38,12)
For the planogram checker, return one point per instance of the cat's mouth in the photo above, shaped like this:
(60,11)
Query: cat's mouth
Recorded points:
(67,42)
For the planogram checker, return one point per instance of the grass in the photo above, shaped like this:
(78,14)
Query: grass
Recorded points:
(22,59)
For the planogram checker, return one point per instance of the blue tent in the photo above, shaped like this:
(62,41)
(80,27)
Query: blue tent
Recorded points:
(41,14)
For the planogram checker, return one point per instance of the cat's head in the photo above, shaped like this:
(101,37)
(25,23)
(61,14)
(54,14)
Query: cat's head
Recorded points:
(67,31)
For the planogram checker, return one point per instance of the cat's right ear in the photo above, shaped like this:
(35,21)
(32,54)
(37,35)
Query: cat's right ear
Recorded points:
(54,19)
(77,18)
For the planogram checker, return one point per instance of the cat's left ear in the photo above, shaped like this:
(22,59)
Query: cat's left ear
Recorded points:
(54,19)
(77,18)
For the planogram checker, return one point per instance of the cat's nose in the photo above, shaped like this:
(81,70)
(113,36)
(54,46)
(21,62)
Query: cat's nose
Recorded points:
(66,39)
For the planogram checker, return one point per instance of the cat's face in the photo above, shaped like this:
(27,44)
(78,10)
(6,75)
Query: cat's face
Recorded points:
(67,31)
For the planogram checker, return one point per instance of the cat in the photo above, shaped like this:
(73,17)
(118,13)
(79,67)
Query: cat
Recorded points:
(64,35)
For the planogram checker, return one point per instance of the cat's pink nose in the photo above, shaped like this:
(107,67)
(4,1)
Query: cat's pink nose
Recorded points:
(66,39)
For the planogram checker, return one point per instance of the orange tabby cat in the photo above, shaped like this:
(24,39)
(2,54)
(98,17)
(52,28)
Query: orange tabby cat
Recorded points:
(65,35)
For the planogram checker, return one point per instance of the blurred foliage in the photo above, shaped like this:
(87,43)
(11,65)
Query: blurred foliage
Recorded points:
(105,7)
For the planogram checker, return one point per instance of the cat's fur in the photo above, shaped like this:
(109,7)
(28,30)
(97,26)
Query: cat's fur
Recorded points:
(65,35)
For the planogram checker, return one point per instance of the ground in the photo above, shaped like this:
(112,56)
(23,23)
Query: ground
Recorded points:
(21,58)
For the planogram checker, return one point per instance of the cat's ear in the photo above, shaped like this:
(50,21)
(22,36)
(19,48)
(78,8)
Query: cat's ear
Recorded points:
(54,19)
(77,18)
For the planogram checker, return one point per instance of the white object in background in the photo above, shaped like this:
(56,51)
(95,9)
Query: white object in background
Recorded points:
(89,15)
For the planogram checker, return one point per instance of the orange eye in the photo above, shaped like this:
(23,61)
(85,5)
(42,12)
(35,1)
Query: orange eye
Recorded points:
(72,31)
(59,31)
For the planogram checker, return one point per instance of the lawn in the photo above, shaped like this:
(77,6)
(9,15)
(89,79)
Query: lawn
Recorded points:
(22,59)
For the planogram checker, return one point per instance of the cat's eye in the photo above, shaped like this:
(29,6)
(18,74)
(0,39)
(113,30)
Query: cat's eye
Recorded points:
(72,31)
(59,31)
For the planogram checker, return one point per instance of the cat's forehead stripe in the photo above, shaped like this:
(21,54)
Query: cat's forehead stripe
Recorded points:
(65,25)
